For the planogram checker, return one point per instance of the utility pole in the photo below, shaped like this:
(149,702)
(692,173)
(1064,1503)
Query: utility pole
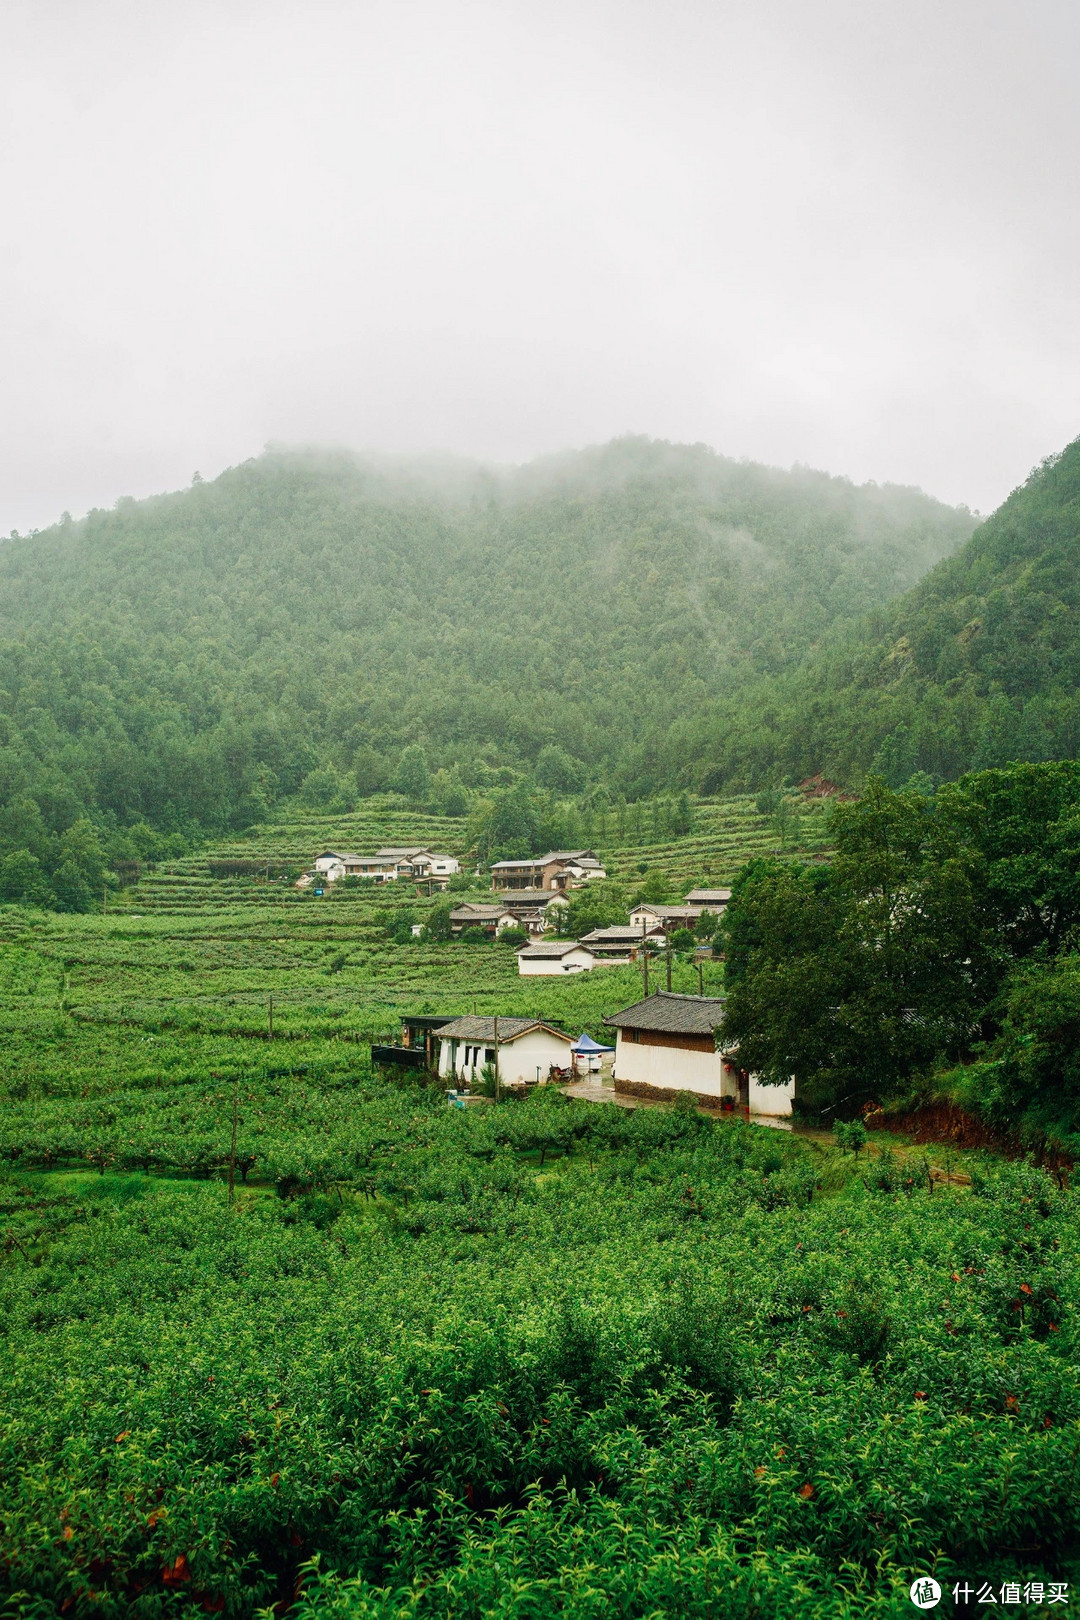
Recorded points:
(668,954)
(496,1058)
(701,979)
(645,955)
(232,1148)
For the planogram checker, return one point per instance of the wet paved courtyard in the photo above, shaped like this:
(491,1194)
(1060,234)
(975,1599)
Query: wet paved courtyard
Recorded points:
(599,1090)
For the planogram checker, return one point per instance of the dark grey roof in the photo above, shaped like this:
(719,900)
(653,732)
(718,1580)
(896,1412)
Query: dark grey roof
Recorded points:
(483,1029)
(677,1014)
(477,913)
(531,897)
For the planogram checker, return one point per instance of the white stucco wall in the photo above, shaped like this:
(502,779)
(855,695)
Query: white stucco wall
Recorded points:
(649,918)
(518,1060)
(770,1099)
(674,1068)
(552,966)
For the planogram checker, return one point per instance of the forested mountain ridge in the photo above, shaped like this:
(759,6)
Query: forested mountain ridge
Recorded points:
(977,665)
(186,661)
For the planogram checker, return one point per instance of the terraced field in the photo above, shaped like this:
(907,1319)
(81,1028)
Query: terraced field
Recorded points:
(726,833)
(203,956)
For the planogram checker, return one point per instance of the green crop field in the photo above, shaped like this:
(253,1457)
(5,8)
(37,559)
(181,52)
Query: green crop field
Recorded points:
(541,1358)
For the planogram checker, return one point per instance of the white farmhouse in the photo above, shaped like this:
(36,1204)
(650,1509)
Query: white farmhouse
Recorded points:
(331,866)
(389,864)
(528,1049)
(555,956)
(417,861)
(668,1043)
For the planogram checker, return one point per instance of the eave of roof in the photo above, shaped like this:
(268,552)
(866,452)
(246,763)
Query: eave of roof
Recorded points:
(673,1013)
(472,1028)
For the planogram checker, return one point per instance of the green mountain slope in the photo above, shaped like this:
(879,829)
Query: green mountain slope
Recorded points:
(190,659)
(977,665)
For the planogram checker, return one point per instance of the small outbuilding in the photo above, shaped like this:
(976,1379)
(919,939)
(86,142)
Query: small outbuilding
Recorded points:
(529,1049)
(555,956)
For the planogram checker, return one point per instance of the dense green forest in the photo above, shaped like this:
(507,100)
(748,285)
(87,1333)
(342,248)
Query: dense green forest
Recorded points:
(331,626)
(934,956)
(979,664)
(531,648)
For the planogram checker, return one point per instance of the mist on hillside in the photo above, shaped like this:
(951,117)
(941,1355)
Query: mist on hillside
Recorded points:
(191,660)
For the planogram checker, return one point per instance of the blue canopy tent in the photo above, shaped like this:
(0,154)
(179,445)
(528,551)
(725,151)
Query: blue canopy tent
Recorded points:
(589,1053)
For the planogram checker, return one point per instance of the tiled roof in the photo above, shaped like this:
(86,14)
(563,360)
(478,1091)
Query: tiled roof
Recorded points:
(670,911)
(675,1014)
(554,947)
(531,897)
(483,1029)
(476,913)
(617,935)
(542,860)
(705,897)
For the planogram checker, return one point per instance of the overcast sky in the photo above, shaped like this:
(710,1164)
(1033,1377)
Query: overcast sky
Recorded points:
(798,230)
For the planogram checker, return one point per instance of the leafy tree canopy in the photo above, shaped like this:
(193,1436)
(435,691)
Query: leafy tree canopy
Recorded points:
(859,977)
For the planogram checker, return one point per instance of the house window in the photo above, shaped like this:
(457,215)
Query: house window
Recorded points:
(489,1054)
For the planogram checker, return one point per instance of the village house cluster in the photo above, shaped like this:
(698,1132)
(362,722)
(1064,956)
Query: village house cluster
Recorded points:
(529,892)
(649,927)
(664,1044)
(530,895)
